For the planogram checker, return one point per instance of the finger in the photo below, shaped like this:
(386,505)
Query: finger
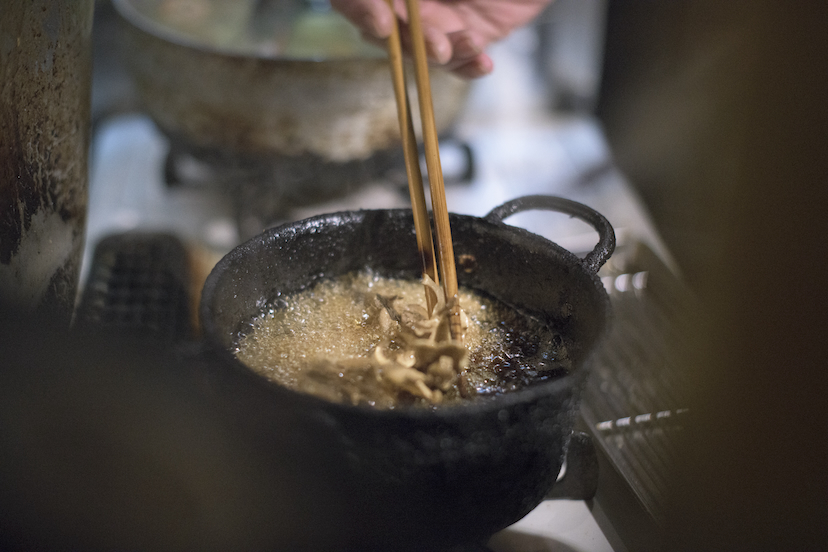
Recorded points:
(372,17)
(480,66)
(464,48)
(468,59)
(438,46)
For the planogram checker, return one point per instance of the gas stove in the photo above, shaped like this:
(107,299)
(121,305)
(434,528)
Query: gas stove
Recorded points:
(518,147)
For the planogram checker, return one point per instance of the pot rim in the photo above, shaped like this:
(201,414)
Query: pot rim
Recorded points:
(138,20)
(471,408)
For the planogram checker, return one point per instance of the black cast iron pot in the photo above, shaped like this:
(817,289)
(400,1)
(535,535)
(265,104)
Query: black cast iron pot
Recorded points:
(414,478)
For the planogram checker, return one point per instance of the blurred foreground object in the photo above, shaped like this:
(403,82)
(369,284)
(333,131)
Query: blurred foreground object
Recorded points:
(45,80)
(717,113)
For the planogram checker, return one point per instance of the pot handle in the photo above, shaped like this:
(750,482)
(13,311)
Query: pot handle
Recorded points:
(606,235)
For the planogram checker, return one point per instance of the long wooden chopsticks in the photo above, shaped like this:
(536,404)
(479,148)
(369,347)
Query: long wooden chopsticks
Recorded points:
(422,225)
(444,249)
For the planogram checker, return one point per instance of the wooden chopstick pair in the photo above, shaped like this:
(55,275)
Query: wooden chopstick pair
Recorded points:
(444,258)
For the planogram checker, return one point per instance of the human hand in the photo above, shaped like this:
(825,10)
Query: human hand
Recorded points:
(456,32)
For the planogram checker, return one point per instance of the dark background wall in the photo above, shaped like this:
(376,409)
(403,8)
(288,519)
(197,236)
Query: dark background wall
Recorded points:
(716,111)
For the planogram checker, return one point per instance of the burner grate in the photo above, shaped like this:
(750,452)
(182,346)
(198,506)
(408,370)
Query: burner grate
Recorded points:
(139,282)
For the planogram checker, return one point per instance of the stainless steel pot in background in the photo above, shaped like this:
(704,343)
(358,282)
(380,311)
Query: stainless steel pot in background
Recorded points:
(45,74)
(261,78)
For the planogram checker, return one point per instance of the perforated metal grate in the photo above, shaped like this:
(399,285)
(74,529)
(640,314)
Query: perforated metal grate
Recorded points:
(139,282)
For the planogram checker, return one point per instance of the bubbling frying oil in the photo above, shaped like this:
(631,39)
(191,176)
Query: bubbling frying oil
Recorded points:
(323,341)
